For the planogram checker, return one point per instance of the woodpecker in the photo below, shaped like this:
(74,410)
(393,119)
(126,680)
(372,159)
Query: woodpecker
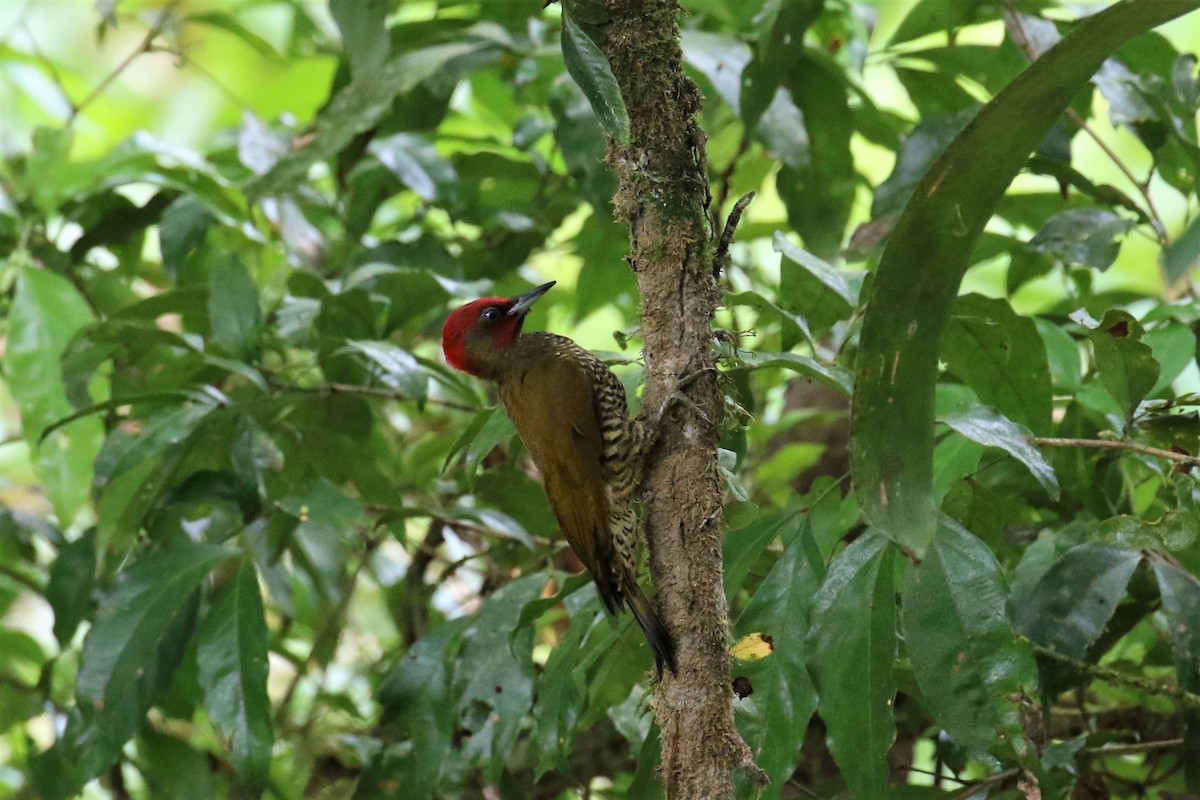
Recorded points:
(570,411)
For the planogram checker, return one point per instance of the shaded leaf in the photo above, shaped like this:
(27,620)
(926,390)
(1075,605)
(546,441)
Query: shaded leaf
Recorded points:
(1126,364)
(122,648)
(1070,605)
(72,581)
(364,34)
(853,643)
(971,669)
(233,308)
(1085,236)
(1180,593)
(774,719)
(232,655)
(1000,355)
(591,71)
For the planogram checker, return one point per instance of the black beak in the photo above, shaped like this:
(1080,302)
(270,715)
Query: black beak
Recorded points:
(523,302)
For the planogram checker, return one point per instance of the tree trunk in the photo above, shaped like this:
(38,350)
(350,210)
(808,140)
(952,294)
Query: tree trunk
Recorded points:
(663,197)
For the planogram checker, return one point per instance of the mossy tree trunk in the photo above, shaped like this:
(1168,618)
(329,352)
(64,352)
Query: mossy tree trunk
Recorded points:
(663,197)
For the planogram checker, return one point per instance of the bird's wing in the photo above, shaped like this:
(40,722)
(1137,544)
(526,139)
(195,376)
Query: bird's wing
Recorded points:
(552,407)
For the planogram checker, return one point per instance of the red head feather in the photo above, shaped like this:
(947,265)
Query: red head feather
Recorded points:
(496,318)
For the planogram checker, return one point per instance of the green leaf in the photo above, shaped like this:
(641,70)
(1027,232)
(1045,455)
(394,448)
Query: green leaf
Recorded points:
(1174,347)
(174,770)
(1182,254)
(1084,236)
(892,434)
(928,140)
(419,703)
(989,427)
(416,162)
(775,717)
(813,288)
(72,580)
(853,644)
(364,32)
(562,687)
(971,669)
(1126,364)
(832,375)
(931,16)
(358,107)
(494,674)
(819,190)
(122,648)
(778,57)
(593,74)
(232,656)
(1063,355)
(1070,605)
(233,309)
(1000,355)
(1180,593)
(46,314)
(399,369)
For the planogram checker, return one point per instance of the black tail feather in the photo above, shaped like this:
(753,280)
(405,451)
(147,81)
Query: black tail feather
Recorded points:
(656,633)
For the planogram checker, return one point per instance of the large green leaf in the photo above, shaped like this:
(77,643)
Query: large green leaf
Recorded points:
(1070,605)
(72,580)
(929,249)
(121,652)
(46,313)
(364,34)
(493,678)
(418,701)
(853,646)
(1000,355)
(1126,364)
(776,715)
(592,72)
(972,671)
(233,308)
(232,655)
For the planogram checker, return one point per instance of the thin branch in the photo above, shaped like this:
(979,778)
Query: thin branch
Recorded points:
(1025,43)
(731,223)
(1130,748)
(145,46)
(1183,696)
(1117,444)
(374,391)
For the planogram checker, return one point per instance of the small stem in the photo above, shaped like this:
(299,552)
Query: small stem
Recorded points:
(145,46)
(1117,444)
(1130,748)
(1183,696)
(373,391)
(1025,43)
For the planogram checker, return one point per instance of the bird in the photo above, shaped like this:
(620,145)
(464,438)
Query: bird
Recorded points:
(571,412)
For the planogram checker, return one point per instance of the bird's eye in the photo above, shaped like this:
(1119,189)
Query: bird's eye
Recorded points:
(491,314)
